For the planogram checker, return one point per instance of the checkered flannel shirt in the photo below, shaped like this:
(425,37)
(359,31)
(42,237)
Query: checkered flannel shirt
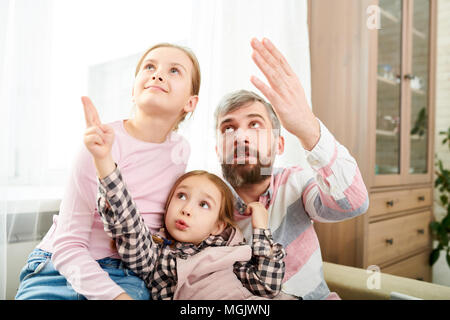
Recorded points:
(153,257)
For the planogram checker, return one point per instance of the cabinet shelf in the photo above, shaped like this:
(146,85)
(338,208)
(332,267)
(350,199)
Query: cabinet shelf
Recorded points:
(387,81)
(389,16)
(388,133)
(395,19)
(393,83)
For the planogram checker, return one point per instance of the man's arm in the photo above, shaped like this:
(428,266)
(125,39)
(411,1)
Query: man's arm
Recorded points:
(336,190)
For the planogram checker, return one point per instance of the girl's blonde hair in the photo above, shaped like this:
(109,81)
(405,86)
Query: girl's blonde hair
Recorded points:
(195,77)
(226,211)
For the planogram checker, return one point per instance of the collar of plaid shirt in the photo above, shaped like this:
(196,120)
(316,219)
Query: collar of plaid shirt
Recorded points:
(186,249)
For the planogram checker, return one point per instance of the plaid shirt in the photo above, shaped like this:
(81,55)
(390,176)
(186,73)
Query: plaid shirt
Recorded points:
(153,257)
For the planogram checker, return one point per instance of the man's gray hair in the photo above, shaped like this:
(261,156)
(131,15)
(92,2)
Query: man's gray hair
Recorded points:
(237,99)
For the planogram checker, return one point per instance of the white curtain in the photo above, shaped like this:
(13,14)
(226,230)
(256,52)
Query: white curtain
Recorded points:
(220,36)
(4,7)
(4,22)
(53,52)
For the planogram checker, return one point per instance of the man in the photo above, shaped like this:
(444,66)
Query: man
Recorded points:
(248,140)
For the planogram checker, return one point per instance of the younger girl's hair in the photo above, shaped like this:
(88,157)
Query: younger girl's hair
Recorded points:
(226,211)
(195,77)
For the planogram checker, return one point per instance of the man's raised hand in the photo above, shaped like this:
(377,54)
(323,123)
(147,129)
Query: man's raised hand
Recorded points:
(285,93)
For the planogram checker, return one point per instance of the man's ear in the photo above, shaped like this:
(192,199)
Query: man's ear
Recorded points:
(280,145)
(191,104)
(220,226)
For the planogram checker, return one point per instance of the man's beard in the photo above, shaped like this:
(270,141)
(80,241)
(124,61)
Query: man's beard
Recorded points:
(239,175)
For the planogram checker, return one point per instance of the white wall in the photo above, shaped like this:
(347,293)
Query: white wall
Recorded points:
(441,271)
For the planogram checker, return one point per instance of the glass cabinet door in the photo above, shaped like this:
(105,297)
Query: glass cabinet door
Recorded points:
(419,83)
(389,77)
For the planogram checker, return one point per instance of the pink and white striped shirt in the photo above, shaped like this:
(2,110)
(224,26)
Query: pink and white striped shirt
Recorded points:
(332,191)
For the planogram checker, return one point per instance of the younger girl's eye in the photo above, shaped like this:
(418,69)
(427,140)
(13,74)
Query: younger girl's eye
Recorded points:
(174,70)
(181,196)
(149,67)
(204,205)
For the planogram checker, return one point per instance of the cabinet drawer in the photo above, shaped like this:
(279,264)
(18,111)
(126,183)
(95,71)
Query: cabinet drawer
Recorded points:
(416,267)
(392,238)
(394,201)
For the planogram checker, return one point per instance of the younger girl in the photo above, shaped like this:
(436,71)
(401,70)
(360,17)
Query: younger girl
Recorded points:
(75,259)
(205,257)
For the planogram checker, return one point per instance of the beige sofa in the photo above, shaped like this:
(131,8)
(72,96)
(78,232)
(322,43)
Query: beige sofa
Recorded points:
(359,284)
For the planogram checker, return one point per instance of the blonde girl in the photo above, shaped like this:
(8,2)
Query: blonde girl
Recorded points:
(75,259)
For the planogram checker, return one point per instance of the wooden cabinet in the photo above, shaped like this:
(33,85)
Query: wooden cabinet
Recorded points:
(372,73)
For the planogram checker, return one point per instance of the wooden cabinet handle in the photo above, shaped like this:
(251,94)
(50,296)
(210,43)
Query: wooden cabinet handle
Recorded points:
(390,241)
(421,198)
(390,203)
(421,231)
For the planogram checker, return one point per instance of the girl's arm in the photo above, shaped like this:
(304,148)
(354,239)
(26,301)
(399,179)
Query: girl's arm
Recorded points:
(264,273)
(71,255)
(123,223)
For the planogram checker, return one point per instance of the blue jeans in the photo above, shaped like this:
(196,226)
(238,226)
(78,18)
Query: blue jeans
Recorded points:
(40,280)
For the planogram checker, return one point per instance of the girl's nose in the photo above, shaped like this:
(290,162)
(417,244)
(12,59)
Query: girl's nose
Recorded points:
(157,77)
(185,212)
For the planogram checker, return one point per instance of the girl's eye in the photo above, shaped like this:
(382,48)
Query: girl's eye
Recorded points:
(204,205)
(149,67)
(228,130)
(181,196)
(174,70)
(255,125)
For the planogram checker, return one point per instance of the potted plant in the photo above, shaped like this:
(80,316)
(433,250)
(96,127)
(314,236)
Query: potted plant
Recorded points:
(441,229)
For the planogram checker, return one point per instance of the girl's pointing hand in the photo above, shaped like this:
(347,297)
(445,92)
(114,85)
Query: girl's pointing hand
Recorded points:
(98,137)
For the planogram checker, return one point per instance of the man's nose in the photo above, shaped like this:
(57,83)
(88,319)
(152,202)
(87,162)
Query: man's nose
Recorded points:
(241,137)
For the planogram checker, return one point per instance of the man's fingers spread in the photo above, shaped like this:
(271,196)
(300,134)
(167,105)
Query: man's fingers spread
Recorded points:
(278,56)
(265,54)
(268,92)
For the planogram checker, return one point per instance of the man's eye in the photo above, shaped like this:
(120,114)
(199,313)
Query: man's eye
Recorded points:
(255,125)
(181,196)
(204,205)
(228,130)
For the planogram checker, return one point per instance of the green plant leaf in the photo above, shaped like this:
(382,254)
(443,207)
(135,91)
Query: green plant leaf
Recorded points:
(448,257)
(446,221)
(434,225)
(434,256)
(444,199)
(443,235)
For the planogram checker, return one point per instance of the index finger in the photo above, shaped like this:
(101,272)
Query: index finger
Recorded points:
(90,112)
(278,56)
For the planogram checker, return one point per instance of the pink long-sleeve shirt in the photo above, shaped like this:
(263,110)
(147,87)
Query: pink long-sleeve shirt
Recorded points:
(77,239)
